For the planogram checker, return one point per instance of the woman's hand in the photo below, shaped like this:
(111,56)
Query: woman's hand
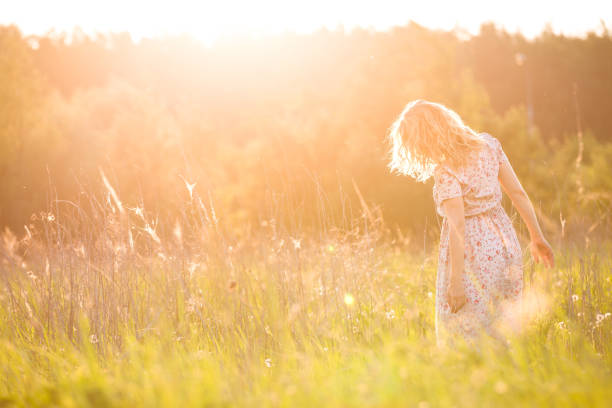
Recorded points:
(456,296)
(542,252)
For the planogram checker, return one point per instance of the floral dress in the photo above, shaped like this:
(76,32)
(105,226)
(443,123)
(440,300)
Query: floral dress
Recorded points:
(493,275)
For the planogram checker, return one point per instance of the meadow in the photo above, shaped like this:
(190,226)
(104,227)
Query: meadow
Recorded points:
(192,225)
(99,308)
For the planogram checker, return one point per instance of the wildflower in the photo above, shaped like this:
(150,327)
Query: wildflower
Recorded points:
(268,362)
(349,299)
(390,314)
(50,217)
(600,317)
(93,339)
(561,325)
(138,211)
(429,294)
(501,387)
(575,298)
(192,305)
(297,243)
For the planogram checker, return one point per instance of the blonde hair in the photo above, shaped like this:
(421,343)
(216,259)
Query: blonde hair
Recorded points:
(427,134)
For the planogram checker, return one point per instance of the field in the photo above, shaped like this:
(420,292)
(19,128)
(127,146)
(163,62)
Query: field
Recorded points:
(99,309)
(186,224)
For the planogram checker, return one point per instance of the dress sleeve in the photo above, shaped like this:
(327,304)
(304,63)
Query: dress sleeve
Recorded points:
(499,152)
(446,186)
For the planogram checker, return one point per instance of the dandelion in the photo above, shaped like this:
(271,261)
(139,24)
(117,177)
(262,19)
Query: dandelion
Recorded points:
(297,243)
(349,299)
(600,317)
(501,387)
(575,298)
(390,314)
(268,362)
(192,305)
(138,211)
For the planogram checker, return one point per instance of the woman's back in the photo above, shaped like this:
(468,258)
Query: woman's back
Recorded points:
(477,182)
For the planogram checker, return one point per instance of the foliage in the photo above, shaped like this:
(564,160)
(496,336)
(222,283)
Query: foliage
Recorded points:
(268,127)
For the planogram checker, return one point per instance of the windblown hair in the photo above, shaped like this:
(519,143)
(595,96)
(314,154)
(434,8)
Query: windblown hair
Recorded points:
(428,134)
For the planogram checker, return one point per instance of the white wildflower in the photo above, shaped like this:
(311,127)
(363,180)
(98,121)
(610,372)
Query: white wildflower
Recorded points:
(297,243)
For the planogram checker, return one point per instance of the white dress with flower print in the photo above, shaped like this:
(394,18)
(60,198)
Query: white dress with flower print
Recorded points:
(493,275)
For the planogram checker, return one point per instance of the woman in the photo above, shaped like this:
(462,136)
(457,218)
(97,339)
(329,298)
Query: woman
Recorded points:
(479,277)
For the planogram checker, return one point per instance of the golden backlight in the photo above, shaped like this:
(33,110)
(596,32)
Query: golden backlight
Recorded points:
(209,20)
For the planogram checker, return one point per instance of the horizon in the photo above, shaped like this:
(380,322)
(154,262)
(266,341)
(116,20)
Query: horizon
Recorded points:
(210,22)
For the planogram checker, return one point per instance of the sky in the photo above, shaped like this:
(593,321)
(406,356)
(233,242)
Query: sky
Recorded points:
(208,20)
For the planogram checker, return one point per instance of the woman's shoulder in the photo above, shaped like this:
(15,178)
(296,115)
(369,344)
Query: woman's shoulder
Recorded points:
(487,137)
(493,143)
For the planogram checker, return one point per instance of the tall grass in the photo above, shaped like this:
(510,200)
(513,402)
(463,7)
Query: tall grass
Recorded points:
(103,306)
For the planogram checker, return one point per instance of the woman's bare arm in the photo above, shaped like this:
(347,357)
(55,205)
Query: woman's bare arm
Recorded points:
(453,208)
(540,249)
